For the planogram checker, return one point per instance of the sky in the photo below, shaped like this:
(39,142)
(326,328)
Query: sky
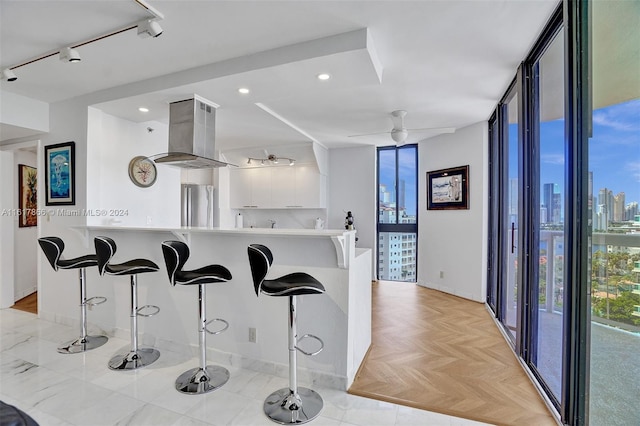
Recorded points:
(614,150)
(407,172)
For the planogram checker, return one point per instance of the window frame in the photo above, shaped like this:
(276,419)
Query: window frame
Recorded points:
(396,227)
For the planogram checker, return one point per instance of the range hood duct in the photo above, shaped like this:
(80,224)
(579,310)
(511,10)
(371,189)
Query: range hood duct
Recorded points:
(192,139)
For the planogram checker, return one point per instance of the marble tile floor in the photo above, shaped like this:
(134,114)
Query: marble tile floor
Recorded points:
(79,389)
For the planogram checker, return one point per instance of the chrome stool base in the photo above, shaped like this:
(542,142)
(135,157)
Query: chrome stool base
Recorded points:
(197,380)
(134,360)
(82,344)
(283,407)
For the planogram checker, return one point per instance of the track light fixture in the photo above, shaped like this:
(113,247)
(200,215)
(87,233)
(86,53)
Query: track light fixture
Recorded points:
(69,54)
(146,28)
(271,159)
(149,28)
(8,75)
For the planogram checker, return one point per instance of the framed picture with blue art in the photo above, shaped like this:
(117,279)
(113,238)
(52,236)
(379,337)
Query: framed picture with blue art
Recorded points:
(60,182)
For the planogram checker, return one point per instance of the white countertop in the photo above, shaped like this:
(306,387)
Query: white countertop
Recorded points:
(291,232)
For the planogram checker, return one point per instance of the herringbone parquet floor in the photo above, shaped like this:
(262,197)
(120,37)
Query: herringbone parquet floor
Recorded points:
(442,353)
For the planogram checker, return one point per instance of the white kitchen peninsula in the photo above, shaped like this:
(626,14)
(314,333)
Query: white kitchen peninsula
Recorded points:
(341,317)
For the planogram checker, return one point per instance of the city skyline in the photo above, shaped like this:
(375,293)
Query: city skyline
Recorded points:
(407,165)
(614,150)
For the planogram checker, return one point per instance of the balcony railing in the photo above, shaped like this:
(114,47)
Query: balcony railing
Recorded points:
(615,277)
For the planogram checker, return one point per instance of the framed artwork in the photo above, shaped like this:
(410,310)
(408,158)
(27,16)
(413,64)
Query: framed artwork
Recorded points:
(448,189)
(28,195)
(60,183)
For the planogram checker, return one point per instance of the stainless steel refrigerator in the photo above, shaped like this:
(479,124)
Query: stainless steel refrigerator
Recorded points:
(197,205)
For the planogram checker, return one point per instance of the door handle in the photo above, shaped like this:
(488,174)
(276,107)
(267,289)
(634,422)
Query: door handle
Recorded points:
(513,235)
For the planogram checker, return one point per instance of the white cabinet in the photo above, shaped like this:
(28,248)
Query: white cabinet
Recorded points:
(240,188)
(283,187)
(250,188)
(300,186)
(310,188)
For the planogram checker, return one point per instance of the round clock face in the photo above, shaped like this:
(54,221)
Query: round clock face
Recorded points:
(142,171)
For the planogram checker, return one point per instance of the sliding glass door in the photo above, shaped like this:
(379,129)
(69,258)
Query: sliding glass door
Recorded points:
(545,70)
(509,212)
(564,265)
(528,169)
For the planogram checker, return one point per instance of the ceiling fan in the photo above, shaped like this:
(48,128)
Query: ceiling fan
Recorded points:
(399,133)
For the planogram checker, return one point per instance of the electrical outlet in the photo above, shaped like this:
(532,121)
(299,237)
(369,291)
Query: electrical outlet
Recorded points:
(149,220)
(441,274)
(253,335)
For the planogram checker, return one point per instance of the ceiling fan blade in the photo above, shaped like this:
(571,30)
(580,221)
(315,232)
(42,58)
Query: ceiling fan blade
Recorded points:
(368,134)
(434,129)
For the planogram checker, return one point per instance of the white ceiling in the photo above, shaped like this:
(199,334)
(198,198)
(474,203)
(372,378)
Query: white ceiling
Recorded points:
(445,62)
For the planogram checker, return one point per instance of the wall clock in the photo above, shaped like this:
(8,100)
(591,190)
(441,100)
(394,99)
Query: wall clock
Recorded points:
(142,171)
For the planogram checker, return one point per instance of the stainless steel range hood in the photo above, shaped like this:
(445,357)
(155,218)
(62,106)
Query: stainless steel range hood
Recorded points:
(192,138)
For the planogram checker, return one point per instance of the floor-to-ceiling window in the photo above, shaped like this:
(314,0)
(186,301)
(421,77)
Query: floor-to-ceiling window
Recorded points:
(577,226)
(545,69)
(397,213)
(614,194)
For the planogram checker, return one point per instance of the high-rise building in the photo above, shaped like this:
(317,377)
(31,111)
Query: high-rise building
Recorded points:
(631,211)
(401,194)
(385,196)
(605,198)
(618,207)
(397,250)
(556,208)
(590,201)
(602,221)
(552,200)
(543,214)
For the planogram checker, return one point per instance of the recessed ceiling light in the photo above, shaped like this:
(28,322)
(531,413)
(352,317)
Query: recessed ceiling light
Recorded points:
(324,76)
(243,90)
(143,109)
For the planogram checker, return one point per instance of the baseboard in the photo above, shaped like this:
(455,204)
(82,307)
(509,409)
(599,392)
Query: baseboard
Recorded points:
(24,293)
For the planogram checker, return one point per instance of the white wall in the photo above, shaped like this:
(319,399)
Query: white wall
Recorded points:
(25,239)
(285,218)
(58,293)
(113,143)
(21,111)
(455,241)
(6,229)
(352,187)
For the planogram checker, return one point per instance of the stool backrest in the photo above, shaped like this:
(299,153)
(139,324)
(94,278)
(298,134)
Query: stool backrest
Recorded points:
(105,249)
(52,248)
(175,254)
(260,260)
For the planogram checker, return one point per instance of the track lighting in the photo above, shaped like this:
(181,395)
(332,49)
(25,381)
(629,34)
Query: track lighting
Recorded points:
(8,75)
(69,55)
(149,28)
(146,28)
(271,159)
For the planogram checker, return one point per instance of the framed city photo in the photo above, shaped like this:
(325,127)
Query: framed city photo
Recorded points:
(28,195)
(448,189)
(60,183)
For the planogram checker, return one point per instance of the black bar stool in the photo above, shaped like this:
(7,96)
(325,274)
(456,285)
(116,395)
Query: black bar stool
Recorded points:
(53,248)
(294,405)
(205,378)
(136,357)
